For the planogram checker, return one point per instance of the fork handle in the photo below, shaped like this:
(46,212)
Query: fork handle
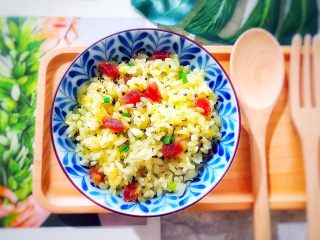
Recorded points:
(261,211)
(311,169)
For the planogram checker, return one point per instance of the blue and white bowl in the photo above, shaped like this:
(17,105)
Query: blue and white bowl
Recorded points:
(121,47)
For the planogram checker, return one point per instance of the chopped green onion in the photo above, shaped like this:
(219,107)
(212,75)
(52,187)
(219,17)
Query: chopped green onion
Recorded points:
(127,115)
(130,64)
(183,76)
(107,99)
(178,106)
(168,140)
(124,148)
(172,186)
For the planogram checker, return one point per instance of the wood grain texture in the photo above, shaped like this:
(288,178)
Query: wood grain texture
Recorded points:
(306,114)
(285,167)
(257,72)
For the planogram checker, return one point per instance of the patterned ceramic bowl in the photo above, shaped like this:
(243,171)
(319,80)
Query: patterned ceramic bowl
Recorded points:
(120,47)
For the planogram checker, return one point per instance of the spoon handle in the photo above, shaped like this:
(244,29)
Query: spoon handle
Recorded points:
(261,212)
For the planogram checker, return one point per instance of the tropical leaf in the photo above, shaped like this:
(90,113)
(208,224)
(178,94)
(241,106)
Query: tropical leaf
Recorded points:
(15,92)
(19,127)
(12,183)
(300,19)
(4,70)
(19,70)
(18,78)
(215,20)
(264,15)
(14,29)
(6,83)
(8,42)
(4,118)
(8,104)
(212,18)
(164,12)
(25,189)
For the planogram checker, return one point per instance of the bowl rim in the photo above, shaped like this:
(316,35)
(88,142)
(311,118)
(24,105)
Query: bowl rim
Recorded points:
(158,214)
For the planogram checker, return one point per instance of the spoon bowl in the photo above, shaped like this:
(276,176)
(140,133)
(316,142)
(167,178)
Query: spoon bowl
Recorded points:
(257,68)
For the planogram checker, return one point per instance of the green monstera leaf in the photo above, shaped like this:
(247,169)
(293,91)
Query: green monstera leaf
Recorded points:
(301,18)
(166,12)
(211,19)
(264,15)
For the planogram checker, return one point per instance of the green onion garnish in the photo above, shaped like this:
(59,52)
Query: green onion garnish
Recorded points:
(172,186)
(130,64)
(107,99)
(178,106)
(168,140)
(127,115)
(183,76)
(124,148)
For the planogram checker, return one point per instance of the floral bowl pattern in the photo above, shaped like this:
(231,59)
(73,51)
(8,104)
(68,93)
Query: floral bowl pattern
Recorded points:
(120,47)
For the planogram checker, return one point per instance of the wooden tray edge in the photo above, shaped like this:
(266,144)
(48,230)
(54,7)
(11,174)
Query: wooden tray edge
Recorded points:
(37,161)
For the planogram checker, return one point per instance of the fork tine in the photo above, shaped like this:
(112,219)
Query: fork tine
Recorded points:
(294,81)
(316,68)
(306,71)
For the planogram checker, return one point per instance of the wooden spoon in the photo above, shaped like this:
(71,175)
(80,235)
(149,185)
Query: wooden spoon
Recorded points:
(257,72)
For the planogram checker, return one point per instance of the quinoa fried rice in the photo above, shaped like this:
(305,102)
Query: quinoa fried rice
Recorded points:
(133,158)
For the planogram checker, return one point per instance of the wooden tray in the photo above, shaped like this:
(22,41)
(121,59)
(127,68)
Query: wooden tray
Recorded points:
(286,179)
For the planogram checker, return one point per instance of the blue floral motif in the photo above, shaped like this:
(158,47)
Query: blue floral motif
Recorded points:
(105,50)
(186,50)
(132,206)
(158,42)
(131,43)
(120,47)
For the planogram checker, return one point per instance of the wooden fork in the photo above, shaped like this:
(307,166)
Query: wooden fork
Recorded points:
(304,94)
